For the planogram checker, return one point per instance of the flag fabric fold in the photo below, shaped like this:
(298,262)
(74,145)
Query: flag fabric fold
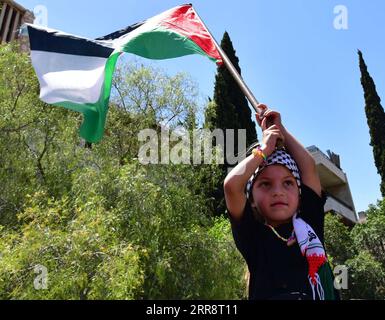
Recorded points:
(76,73)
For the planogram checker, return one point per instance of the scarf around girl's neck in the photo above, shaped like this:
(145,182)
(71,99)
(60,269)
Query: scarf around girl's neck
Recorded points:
(312,248)
(319,274)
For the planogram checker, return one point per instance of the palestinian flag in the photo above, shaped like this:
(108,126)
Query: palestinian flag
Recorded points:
(76,73)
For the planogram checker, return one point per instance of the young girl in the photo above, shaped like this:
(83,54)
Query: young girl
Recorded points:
(275,205)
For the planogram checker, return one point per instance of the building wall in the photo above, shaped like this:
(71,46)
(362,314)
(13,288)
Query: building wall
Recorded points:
(335,183)
(341,192)
(12,16)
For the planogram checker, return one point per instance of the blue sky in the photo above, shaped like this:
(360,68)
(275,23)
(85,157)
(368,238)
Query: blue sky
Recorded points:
(292,58)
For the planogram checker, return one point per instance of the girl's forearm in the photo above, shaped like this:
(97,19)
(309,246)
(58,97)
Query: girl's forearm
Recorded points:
(237,178)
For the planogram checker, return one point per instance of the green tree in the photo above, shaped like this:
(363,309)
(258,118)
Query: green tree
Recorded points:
(133,233)
(371,234)
(366,277)
(375,116)
(30,132)
(361,249)
(102,224)
(338,240)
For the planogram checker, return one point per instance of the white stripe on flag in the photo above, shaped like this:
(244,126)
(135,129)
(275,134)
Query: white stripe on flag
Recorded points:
(65,77)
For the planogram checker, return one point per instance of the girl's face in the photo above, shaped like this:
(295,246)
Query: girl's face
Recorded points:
(276,194)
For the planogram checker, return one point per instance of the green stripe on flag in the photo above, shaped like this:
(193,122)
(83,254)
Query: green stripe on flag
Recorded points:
(92,128)
(161,43)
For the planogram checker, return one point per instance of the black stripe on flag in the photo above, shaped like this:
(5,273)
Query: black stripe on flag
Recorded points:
(51,41)
(118,34)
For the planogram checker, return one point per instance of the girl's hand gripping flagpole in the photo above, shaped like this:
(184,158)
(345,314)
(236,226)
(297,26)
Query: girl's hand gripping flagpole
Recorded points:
(259,108)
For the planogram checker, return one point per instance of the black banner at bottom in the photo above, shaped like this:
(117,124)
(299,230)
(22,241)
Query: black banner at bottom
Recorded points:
(183,309)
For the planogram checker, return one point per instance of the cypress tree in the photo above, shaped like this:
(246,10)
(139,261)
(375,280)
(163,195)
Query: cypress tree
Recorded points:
(375,116)
(232,109)
(228,110)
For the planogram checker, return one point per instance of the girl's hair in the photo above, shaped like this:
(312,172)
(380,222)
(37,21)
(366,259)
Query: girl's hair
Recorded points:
(257,215)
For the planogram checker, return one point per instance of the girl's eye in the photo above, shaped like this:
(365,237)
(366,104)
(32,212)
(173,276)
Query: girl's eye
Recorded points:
(289,183)
(263,184)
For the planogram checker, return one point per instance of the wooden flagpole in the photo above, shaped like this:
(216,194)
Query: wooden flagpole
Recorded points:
(237,77)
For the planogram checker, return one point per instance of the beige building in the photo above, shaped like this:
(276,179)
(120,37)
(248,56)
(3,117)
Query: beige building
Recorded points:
(12,16)
(335,183)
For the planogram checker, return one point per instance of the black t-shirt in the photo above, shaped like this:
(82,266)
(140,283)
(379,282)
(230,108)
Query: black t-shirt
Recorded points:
(275,268)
